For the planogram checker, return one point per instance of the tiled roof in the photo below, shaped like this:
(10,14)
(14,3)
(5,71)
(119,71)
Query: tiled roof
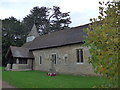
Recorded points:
(19,52)
(59,38)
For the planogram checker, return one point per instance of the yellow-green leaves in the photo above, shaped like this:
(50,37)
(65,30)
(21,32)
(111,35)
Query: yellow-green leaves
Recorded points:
(102,37)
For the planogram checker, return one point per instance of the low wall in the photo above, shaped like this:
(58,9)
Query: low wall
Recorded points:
(17,67)
(21,66)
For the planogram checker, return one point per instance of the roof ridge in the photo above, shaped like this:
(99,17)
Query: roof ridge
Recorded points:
(81,26)
(17,47)
(64,30)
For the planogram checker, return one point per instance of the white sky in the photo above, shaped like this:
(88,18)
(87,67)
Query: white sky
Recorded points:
(80,10)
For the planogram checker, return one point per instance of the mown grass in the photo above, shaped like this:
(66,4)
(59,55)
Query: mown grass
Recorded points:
(0,73)
(36,79)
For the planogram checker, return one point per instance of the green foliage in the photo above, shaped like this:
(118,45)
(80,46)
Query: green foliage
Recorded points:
(0,42)
(38,16)
(103,41)
(13,33)
(36,79)
(47,19)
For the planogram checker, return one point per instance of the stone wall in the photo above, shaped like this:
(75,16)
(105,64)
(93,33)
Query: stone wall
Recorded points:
(24,66)
(68,66)
(18,67)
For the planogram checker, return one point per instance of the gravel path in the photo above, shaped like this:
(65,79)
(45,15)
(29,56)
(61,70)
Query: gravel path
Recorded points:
(3,84)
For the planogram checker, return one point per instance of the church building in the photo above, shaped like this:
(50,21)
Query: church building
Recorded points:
(61,50)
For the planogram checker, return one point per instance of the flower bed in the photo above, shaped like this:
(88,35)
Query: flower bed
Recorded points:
(51,74)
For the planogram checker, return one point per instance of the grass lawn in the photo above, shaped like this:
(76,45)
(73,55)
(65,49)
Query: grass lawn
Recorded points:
(36,79)
(0,73)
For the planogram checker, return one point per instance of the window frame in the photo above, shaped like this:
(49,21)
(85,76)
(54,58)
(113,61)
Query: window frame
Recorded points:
(55,58)
(19,62)
(65,59)
(80,56)
(40,60)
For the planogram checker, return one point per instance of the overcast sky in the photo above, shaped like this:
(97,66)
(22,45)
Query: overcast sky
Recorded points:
(80,10)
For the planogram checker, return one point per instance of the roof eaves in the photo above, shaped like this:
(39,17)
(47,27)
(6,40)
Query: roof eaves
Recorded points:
(47,47)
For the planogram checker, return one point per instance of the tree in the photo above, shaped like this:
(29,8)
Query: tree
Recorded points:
(12,34)
(60,20)
(38,16)
(47,19)
(103,41)
(0,42)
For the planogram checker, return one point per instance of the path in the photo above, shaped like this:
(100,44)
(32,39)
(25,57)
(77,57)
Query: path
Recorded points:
(3,84)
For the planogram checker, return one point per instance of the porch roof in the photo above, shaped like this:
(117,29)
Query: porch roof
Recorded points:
(20,52)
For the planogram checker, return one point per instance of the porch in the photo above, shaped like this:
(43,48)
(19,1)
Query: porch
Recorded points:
(20,64)
(19,59)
